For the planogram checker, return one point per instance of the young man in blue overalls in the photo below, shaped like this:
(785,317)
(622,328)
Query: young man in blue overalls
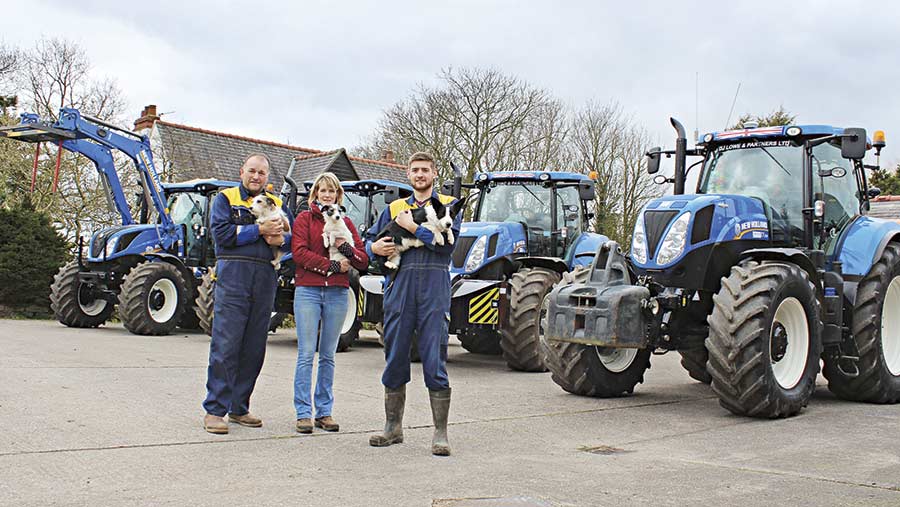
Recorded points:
(245,295)
(416,300)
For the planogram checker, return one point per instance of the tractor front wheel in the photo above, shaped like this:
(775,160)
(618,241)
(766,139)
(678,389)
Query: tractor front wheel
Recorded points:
(764,340)
(520,335)
(351,325)
(153,298)
(876,328)
(73,302)
(694,361)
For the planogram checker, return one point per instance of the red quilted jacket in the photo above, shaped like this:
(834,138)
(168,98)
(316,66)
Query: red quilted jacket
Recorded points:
(311,256)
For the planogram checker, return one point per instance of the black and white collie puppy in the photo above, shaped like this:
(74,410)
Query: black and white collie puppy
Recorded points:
(335,227)
(437,218)
(265,209)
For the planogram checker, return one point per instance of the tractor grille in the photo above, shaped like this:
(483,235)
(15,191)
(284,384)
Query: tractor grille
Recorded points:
(492,246)
(100,239)
(702,225)
(655,223)
(463,245)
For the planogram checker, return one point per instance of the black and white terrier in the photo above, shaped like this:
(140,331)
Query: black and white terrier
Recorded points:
(437,218)
(265,209)
(335,227)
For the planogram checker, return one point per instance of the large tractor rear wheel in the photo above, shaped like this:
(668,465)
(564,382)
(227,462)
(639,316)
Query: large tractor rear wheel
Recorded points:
(520,336)
(72,301)
(206,299)
(205,304)
(876,328)
(694,361)
(593,371)
(153,298)
(764,340)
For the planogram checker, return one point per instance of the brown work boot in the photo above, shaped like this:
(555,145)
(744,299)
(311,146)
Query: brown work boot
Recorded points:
(327,423)
(394,401)
(249,420)
(215,424)
(304,425)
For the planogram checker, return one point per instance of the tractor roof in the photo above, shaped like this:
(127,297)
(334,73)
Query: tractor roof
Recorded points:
(768,132)
(200,184)
(405,189)
(529,176)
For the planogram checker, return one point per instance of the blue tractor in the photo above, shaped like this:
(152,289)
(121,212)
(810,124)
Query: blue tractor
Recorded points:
(364,200)
(772,266)
(150,270)
(527,229)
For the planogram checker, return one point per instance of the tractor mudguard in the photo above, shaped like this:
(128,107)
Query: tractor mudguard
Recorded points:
(551,263)
(791,255)
(864,242)
(606,311)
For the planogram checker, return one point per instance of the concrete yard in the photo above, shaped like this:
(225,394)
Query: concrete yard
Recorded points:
(103,417)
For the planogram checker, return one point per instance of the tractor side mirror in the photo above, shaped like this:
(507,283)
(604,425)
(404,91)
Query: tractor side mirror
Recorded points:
(586,190)
(447,187)
(853,143)
(391,194)
(834,172)
(874,192)
(653,159)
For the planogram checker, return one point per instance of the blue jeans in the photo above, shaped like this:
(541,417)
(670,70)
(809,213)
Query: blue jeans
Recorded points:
(314,306)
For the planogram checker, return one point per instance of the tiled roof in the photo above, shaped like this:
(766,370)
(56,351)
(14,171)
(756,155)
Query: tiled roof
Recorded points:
(885,207)
(190,152)
(309,166)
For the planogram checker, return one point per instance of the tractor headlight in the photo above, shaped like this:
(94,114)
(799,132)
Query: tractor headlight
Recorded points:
(111,246)
(476,254)
(639,241)
(673,244)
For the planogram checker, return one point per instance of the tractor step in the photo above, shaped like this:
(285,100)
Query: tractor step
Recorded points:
(849,366)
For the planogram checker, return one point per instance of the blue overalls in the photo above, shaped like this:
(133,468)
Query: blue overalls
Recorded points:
(244,298)
(416,300)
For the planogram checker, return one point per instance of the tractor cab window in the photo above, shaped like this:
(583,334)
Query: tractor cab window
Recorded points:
(528,203)
(356,209)
(187,210)
(568,210)
(835,183)
(771,171)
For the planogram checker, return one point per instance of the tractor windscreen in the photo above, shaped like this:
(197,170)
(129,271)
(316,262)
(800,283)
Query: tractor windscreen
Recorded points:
(528,203)
(771,171)
(187,209)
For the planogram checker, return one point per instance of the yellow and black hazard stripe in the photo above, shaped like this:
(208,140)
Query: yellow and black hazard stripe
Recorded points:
(360,302)
(483,308)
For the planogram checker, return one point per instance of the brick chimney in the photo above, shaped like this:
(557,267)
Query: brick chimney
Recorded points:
(388,156)
(148,117)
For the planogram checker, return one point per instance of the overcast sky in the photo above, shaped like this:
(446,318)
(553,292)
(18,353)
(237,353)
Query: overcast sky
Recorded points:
(318,74)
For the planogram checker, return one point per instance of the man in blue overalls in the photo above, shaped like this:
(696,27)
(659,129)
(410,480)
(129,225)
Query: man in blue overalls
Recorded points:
(244,297)
(416,301)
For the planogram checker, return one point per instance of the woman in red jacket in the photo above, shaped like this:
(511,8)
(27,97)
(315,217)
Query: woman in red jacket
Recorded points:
(320,297)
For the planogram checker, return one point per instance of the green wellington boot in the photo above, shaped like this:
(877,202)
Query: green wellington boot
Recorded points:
(440,410)
(394,401)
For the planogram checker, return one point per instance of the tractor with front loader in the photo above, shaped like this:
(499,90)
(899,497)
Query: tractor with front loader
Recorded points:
(148,270)
(769,268)
(527,230)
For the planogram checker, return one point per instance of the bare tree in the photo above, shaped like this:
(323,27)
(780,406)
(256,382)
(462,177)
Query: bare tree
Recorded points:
(606,143)
(479,117)
(56,73)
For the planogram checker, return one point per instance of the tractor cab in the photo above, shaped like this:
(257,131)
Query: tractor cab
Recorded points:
(519,214)
(189,204)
